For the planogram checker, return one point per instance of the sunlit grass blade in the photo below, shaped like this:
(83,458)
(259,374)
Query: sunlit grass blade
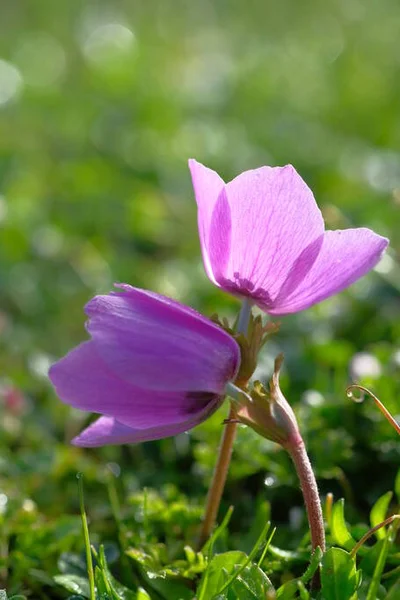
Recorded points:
(209,546)
(380,565)
(86,538)
(249,558)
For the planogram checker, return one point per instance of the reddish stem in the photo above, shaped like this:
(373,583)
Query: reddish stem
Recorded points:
(219,478)
(309,488)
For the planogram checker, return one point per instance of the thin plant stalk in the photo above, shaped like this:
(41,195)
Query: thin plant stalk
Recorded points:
(89,560)
(380,405)
(219,478)
(225,449)
(370,532)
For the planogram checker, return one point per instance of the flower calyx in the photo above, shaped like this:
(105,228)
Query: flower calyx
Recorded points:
(268,412)
(250,345)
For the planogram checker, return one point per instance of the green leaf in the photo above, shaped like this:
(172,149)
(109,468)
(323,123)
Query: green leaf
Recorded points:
(74,583)
(102,587)
(338,575)
(380,565)
(252,584)
(218,572)
(313,566)
(304,594)
(394,592)
(288,590)
(142,595)
(339,530)
(73,564)
(162,580)
(106,581)
(378,513)
(397,485)
(370,558)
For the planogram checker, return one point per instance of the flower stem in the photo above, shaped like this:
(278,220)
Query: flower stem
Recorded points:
(219,478)
(244,316)
(309,488)
(225,448)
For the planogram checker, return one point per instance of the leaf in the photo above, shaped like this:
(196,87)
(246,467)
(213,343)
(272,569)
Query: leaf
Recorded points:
(73,564)
(107,581)
(370,558)
(102,588)
(142,595)
(74,583)
(160,580)
(380,565)
(252,584)
(313,566)
(304,594)
(397,485)
(288,590)
(394,592)
(338,575)
(339,530)
(218,571)
(378,513)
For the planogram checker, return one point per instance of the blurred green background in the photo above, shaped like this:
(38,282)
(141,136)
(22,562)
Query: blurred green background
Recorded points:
(101,105)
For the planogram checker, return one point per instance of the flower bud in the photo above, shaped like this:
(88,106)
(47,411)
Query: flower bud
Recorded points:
(269,413)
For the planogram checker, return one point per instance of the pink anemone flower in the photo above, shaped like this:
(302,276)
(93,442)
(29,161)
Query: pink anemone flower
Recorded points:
(153,368)
(262,237)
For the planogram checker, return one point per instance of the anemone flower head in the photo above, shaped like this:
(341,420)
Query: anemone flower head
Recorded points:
(153,368)
(262,237)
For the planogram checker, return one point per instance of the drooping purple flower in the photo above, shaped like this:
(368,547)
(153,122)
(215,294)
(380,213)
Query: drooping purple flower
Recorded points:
(262,236)
(153,368)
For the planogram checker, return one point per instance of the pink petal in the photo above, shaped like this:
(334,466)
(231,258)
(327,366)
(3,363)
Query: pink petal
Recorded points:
(155,343)
(274,221)
(207,186)
(107,430)
(345,256)
(84,381)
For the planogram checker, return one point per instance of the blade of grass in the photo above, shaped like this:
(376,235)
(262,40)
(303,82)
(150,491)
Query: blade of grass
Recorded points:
(86,538)
(209,546)
(372,593)
(267,545)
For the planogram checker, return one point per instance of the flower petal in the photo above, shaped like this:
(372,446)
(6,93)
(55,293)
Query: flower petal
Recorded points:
(84,381)
(345,256)
(107,430)
(155,343)
(207,186)
(274,219)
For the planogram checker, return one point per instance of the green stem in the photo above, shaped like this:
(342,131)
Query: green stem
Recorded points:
(86,538)
(244,316)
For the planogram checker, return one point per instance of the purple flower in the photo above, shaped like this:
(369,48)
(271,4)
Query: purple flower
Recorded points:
(153,368)
(262,237)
